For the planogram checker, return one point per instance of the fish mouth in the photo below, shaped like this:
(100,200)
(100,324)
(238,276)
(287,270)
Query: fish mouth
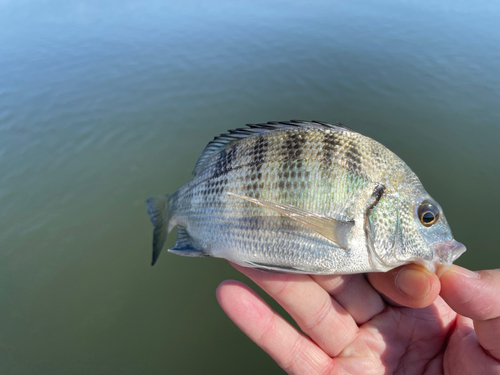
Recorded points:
(447,252)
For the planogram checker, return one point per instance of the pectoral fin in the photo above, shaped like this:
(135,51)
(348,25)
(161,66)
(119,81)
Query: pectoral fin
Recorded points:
(335,230)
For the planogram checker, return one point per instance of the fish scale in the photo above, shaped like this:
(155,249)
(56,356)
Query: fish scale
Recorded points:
(301,196)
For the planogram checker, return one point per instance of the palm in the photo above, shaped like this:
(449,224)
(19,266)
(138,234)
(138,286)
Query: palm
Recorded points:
(401,340)
(432,340)
(351,328)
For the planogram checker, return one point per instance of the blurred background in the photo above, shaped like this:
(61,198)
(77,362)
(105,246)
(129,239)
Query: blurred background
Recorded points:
(105,103)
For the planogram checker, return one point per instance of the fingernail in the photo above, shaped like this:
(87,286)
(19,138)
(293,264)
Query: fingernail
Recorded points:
(412,282)
(464,272)
(441,270)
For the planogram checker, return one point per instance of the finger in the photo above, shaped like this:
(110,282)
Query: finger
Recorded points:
(354,293)
(411,285)
(293,352)
(463,342)
(477,296)
(316,313)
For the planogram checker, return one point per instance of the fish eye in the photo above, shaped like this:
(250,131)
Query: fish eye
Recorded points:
(428,213)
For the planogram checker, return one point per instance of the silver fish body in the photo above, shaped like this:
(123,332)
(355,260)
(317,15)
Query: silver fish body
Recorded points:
(304,197)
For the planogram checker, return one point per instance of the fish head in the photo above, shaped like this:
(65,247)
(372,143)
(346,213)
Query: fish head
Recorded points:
(408,225)
(426,236)
(433,228)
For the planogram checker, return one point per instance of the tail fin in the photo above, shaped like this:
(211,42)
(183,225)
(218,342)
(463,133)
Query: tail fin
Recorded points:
(159,214)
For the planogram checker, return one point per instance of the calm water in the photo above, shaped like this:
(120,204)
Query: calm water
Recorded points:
(105,103)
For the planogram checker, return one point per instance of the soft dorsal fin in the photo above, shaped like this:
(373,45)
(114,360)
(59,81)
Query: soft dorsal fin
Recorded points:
(222,141)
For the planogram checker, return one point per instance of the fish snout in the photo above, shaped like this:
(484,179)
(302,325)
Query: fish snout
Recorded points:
(448,251)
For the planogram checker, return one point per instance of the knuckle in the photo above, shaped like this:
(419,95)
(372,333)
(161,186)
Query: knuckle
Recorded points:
(283,288)
(269,329)
(319,315)
(290,359)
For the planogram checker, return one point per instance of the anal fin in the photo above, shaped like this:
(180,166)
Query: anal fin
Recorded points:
(184,245)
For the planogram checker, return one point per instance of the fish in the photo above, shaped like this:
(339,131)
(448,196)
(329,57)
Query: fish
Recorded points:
(305,197)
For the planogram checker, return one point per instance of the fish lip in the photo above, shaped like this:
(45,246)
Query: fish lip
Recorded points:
(447,252)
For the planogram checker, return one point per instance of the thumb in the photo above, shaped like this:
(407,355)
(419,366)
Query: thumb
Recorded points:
(411,285)
(476,295)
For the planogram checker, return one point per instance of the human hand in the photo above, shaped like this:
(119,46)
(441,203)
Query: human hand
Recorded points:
(359,324)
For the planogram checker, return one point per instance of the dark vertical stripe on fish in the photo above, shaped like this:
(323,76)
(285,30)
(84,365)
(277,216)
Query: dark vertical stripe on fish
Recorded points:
(220,165)
(291,153)
(224,164)
(259,153)
(295,145)
(292,149)
(330,144)
(216,185)
(258,158)
(353,159)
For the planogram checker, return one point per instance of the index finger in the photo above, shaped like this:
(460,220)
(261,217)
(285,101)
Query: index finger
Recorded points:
(314,310)
(294,352)
(476,295)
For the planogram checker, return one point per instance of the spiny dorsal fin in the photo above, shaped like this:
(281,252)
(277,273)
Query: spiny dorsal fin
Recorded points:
(222,141)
